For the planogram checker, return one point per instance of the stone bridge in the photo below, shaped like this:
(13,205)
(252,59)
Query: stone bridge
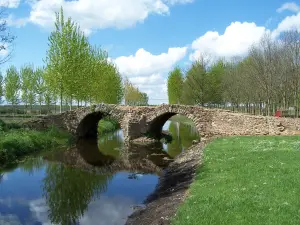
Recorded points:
(136,121)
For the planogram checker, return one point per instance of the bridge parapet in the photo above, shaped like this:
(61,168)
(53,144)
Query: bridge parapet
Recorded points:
(138,120)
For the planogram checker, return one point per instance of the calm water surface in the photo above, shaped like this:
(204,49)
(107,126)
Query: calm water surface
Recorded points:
(90,183)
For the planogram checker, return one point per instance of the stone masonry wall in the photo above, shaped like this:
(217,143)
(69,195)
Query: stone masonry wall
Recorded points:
(136,121)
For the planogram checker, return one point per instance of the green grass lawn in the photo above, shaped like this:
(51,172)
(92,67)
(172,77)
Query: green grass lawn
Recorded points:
(246,180)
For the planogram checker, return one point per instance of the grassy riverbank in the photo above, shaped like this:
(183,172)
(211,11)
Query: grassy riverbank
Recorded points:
(245,180)
(16,142)
(107,125)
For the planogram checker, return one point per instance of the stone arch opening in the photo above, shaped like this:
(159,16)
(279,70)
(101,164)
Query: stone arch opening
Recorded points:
(175,130)
(88,126)
(155,126)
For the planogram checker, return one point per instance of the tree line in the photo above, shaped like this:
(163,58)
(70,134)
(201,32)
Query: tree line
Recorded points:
(267,79)
(75,73)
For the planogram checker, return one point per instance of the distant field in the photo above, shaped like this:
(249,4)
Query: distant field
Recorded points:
(182,119)
(16,119)
(34,110)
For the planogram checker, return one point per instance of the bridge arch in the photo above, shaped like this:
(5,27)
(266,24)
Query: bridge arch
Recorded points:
(160,117)
(88,123)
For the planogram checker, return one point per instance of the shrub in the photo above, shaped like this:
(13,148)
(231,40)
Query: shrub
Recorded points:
(107,125)
(15,144)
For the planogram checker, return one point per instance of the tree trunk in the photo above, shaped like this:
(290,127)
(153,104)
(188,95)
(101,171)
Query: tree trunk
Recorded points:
(61,102)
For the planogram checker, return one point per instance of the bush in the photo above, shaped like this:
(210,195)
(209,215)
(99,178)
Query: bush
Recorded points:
(107,125)
(2,125)
(15,144)
(8,126)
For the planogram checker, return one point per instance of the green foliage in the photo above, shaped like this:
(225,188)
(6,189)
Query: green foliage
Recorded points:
(67,203)
(2,125)
(27,84)
(195,85)
(78,71)
(175,85)
(12,85)
(245,180)
(17,143)
(265,80)
(61,66)
(75,71)
(133,96)
(215,79)
(107,125)
(8,126)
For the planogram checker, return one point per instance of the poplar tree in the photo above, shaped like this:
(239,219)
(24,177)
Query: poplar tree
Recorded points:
(195,84)
(32,87)
(12,85)
(133,96)
(60,57)
(175,84)
(26,73)
(40,86)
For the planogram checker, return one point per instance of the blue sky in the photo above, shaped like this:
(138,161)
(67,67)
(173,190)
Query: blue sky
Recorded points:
(147,38)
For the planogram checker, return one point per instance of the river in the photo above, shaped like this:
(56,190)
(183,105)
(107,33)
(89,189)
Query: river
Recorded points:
(95,182)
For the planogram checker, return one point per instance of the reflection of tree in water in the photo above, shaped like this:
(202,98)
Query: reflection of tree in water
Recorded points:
(111,144)
(175,146)
(188,133)
(68,191)
(32,165)
(183,136)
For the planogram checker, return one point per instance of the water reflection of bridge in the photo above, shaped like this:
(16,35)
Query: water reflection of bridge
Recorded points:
(134,158)
(69,191)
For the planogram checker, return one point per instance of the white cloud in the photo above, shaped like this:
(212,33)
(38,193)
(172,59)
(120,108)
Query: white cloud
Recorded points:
(291,6)
(143,63)
(9,219)
(235,40)
(16,22)
(289,23)
(10,3)
(173,2)
(152,79)
(155,85)
(147,71)
(4,177)
(93,15)
(105,211)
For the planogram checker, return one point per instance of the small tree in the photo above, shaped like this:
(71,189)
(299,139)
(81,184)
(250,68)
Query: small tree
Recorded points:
(133,96)
(58,59)
(144,98)
(40,86)
(26,75)
(175,84)
(195,84)
(12,85)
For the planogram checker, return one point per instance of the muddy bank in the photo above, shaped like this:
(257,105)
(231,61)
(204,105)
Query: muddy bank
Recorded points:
(171,190)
